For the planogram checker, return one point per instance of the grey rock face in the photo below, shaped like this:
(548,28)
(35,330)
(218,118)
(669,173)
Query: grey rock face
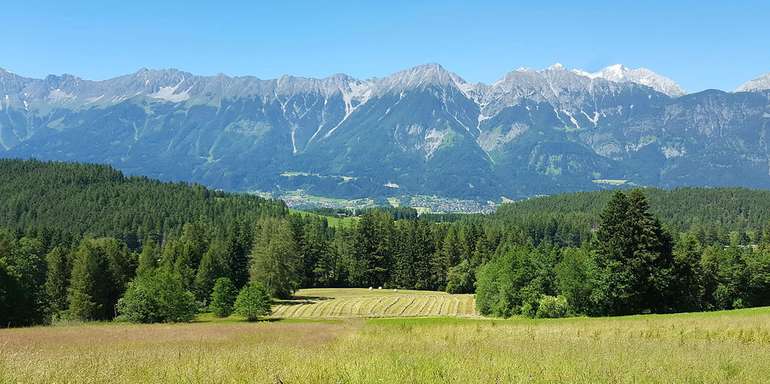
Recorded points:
(423,130)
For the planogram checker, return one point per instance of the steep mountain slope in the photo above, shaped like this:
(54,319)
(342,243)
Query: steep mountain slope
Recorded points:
(761,83)
(422,131)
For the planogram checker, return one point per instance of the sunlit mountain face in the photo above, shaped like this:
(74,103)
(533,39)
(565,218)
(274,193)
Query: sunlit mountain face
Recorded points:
(421,131)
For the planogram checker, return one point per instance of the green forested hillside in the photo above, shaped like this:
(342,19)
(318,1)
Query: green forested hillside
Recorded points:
(94,199)
(682,208)
(710,212)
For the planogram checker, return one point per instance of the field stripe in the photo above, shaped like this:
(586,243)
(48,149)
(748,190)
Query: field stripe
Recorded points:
(425,301)
(314,308)
(386,310)
(307,310)
(444,307)
(323,306)
(429,307)
(344,308)
(397,309)
(373,310)
(278,309)
(294,308)
(298,308)
(362,308)
(356,308)
(340,310)
(403,310)
(455,307)
(463,307)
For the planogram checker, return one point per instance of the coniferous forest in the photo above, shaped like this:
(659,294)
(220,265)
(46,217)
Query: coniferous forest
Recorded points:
(85,242)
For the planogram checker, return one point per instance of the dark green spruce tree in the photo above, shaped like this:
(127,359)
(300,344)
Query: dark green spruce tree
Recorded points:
(212,266)
(372,250)
(57,280)
(634,258)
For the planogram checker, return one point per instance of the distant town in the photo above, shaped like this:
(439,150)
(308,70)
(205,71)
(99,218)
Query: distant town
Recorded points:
(422,203)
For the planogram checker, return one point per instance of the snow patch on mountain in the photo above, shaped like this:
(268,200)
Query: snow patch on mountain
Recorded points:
(433,140)
(59,96)
(671,152)
(620,73)
(761,83)
(170,94)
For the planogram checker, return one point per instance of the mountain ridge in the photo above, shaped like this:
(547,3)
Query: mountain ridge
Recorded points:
(162,77)
(420,131)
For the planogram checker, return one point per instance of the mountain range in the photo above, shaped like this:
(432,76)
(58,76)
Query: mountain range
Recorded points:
(421,131)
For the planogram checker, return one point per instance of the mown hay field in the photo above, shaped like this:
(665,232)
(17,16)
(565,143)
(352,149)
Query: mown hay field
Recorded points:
(332,303)
(719,347)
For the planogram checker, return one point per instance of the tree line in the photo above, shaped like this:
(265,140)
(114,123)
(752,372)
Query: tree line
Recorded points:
(220,247)
(630,265)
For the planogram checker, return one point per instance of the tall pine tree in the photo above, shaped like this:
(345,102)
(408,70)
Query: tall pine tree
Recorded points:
(634,258)
(57,279)
(275,258)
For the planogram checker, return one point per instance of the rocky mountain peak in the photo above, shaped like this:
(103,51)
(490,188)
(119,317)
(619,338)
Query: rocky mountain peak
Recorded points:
(761,83)
(619,73)
(420,77)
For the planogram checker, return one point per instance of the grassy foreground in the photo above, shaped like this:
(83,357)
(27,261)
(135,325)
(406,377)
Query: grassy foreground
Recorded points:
(729,347)
(361,302)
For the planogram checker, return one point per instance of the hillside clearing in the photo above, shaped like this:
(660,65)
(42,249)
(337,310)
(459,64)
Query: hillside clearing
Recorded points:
(334,222)
(362,302)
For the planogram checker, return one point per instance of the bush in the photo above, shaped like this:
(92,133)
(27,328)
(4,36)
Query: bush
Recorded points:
(515,281)
(157,297)
(253,302)
(551,307)
(528,309)
(223,297)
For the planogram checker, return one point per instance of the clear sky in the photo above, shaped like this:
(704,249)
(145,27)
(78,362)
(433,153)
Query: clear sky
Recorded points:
(700,44)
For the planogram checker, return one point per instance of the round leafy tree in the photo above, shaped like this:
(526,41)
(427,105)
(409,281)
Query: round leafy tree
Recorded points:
(223,297)
(253,302)
(157,297)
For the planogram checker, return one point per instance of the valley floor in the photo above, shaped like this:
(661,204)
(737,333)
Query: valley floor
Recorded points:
(731,346)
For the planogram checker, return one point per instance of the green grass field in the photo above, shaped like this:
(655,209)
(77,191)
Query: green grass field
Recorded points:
(720,347)
(362,302)
(334,222)
(328,343)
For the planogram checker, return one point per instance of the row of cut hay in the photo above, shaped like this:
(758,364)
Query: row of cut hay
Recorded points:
(379,306)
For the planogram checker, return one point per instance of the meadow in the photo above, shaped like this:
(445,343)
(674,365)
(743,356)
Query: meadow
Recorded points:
(362,302)
(716,347)
(333,221)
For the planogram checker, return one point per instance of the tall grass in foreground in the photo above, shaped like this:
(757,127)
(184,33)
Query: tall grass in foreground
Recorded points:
(692,348)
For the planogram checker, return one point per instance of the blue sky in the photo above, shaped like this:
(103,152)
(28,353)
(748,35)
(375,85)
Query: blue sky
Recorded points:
(700,44)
